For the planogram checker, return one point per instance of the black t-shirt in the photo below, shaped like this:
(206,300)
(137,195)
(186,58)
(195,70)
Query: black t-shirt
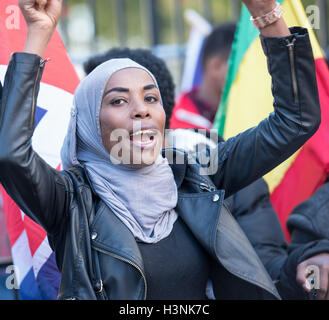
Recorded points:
(176,267)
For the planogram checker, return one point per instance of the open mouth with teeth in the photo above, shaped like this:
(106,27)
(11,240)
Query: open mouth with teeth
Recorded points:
(144,138)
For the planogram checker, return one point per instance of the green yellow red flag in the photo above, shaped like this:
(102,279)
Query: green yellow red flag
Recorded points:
(247,99)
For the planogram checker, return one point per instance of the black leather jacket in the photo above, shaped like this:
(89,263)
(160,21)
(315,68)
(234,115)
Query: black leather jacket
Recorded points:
(91,242)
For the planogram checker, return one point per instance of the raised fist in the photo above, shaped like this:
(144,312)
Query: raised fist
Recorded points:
(41,14)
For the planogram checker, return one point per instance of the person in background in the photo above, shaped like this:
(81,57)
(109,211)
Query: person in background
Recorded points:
(308,222)
(197,108)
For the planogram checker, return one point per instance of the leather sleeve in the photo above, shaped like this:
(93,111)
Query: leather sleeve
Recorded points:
(38,189)
(248,156)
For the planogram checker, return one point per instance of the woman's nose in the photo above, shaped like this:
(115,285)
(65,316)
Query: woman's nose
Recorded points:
(140,111)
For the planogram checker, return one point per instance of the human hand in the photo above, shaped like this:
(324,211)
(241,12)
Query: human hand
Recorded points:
(318,262)
(41,14)
(41,17)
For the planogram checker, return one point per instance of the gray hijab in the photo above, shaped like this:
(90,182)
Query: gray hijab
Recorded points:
(142,198)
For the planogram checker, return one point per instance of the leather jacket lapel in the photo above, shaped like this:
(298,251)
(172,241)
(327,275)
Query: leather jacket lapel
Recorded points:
(205,228)
(110,235)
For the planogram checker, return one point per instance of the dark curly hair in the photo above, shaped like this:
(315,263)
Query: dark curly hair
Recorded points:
(148,60)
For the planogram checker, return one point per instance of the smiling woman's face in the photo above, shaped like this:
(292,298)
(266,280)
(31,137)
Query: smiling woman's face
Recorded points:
(132,118)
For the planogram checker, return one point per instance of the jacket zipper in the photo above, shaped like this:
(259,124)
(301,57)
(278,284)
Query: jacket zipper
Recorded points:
(290,46)
(129,262)
(34,102)
(202,185)
(206,187)
(34,98)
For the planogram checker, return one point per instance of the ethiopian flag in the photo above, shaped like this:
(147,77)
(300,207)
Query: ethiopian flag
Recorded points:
(247,99)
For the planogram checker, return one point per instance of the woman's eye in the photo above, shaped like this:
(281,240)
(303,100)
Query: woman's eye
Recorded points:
(117,102)
(151,99)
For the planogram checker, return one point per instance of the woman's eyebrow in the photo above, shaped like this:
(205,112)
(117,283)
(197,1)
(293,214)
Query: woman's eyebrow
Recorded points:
(150,86)
(118,89)
(121,89)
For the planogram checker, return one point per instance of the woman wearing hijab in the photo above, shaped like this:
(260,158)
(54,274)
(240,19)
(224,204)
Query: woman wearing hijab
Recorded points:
(128,221)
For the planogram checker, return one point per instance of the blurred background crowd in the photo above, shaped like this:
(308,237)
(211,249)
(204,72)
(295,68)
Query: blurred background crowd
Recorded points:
(89,26)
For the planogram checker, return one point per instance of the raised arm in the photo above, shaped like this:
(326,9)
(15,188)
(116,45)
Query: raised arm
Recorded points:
(248,156)
(41,17)
(38,189)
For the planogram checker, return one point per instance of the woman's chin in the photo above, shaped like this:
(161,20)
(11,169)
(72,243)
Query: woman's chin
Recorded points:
(137,157)
(144,157)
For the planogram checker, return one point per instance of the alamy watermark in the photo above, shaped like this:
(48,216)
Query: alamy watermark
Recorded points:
(13,276)
(313,277)
(12,21)
(12,13)
(142,146)
(313,16)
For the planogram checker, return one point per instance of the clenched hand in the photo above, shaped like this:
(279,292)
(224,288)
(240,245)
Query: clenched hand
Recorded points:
(41,17)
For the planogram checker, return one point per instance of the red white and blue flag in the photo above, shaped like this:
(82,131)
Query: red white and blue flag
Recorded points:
(35,265)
